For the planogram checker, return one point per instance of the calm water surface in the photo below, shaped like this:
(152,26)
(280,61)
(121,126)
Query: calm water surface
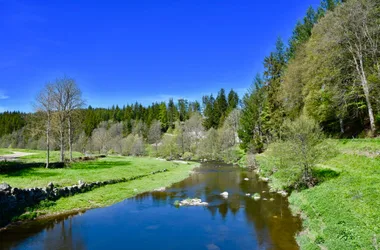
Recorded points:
(150,221)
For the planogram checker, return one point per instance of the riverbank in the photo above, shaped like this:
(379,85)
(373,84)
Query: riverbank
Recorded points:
(103,169)
(342,212)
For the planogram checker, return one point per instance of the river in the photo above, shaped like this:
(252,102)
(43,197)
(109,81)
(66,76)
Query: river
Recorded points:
(151,221)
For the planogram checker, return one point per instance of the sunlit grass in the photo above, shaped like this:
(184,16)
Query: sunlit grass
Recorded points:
(343,212)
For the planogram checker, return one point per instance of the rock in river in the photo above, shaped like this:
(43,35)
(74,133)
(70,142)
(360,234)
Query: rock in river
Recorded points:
(192,202)
(224,194)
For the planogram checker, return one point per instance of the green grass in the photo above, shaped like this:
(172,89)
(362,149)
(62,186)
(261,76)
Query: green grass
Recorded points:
(343,212)
(5,151)
(37,155)
(111,194)
(112,167)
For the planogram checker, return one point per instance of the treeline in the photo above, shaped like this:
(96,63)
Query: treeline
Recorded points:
(214,109)
(329,71)
(172,130)
(11,121)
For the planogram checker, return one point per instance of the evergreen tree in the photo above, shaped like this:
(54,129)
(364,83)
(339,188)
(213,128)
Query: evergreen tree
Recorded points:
(233,100)
(221,106)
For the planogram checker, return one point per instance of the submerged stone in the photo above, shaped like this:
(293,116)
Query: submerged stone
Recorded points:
(256,196)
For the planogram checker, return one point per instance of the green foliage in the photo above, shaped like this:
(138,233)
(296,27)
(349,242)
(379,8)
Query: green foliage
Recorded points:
(232,155)
(11,121)
(253,130)
(293,158)
(26,216)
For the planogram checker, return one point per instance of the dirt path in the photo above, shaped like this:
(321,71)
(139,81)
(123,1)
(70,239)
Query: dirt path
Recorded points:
(14,156)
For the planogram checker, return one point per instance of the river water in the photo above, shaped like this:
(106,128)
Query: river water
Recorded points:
(151,221)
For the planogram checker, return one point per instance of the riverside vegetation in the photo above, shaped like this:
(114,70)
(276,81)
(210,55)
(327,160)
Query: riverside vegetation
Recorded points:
(308,123)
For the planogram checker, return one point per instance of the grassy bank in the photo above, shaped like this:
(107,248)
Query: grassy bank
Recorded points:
(343,211)
(112,167)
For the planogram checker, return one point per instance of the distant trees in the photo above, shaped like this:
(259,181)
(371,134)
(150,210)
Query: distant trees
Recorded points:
(217,109)
(11,121)
(154,135)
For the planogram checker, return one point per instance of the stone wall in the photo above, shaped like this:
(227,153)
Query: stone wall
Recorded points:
(13,201)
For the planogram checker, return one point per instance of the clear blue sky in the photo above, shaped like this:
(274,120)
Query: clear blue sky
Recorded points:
(125,51)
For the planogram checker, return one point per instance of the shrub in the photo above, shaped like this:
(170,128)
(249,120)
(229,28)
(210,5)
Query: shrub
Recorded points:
(294,157)
(187,156)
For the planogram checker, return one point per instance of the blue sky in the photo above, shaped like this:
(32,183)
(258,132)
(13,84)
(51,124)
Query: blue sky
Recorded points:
(125,51)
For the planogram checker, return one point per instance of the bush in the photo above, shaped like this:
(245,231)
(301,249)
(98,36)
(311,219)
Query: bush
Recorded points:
(232,155)
(294,157)
(187,156)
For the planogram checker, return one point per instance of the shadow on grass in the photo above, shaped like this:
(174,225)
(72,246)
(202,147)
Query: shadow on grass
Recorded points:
(30,172)
(99,164)
(11,168)
(324,174)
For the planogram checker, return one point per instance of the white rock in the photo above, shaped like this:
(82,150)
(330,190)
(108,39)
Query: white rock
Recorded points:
(283,193)
(246,179)
(264,179)
(192,202)
(224,194)
(247,194)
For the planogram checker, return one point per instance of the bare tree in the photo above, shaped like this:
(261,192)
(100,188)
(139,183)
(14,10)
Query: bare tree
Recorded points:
(232,123)
(138,148)
(67,100)
(60,106)
(194,129)
(154,135)
(45,105)
(100,137)
(73,96)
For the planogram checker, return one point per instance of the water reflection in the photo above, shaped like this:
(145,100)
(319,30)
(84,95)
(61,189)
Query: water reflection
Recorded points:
(151,221)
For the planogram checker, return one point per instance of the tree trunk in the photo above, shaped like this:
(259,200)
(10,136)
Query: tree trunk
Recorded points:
(367,95)
(70,139)
(48,142)
(62,145)
(341,125)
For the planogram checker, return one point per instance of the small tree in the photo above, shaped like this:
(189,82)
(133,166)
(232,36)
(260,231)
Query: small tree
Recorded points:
(299,150)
